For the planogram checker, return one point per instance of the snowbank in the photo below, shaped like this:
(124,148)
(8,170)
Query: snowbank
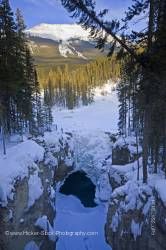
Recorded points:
(160,187)
(35,188)
(15,165)
(130,140)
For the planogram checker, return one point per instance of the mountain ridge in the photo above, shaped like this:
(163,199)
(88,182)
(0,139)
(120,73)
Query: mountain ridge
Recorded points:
(58,44)
(59,32)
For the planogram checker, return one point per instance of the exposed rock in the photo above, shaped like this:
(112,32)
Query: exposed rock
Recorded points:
(120,155)
(116,179)
(136,222)
(21,224)
(125,150)
(17,219)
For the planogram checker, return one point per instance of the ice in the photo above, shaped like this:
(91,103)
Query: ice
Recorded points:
(115,222)
(136,229)
(74,219)
(35,188)
(44,224)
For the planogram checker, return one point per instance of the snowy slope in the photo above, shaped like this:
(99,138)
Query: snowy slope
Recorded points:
(59,31)
(15,165)
(65,49)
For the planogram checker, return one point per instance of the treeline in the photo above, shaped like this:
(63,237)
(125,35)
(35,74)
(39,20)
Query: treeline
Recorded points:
(92,74)
(142,90)
(20,100)
(69,88)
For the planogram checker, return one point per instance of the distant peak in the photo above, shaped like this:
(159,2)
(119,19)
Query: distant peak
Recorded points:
(58,32)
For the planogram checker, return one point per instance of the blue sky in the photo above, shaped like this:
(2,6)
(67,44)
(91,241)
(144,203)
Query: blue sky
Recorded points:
(51,11)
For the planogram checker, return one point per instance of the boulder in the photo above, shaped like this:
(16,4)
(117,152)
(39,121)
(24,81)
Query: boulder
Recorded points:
(124,151)
(120,156)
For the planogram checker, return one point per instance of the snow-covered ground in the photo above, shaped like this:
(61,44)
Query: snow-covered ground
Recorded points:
(101,115)
(92,145)
(78,227)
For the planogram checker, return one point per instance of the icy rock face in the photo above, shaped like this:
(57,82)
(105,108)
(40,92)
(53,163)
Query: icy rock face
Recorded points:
(116,178)
(125,151)
(35,189)
(44,224)
(135,219)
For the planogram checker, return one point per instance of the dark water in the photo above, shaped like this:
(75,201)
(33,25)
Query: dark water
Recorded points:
(79,185)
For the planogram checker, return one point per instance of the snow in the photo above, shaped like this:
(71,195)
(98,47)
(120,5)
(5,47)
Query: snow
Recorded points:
(58,32)
(103,189)
(15,165)
(66,49)
(21,220)
(115,222)
(50,160)
(101,115)
(15,138)
(91,144)
(74,222)
(129,142)
(136,229)
(51,140)
(129,171)
(133,193)
(35,188)
(160,187)
(44,224)
(10,216)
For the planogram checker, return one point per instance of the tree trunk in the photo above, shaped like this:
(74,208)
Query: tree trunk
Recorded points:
(3,140)
(145,143)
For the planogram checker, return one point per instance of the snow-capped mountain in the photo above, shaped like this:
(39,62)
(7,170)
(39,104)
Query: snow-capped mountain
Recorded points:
(61,43)
(58,32)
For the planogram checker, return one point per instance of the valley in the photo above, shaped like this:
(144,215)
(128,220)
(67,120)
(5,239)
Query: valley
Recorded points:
(82,125)
(51,47)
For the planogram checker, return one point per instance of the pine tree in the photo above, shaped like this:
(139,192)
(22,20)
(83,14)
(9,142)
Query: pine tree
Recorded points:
(19,88)
(7,58)
(147,78)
